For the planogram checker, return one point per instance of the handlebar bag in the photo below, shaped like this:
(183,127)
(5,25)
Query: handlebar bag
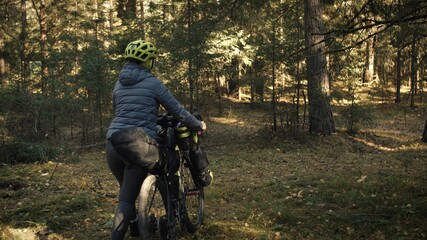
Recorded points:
(135,146)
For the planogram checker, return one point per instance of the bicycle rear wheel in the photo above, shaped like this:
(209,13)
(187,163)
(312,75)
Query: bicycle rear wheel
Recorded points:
(192,200)
(151,209)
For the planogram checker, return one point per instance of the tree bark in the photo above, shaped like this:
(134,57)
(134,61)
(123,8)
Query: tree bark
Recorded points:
(121,9)
(130,12)
(369,72)
(320,113)
(43,48)
(399,60)
(273,96)
(298,91)
(126,9)
(414,55)
(3,67)
(24,48)
(424,139)
(51,124)
(141,20)
(190,54)
(398,75)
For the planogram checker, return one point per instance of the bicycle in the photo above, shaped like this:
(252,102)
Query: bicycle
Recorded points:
(159,209)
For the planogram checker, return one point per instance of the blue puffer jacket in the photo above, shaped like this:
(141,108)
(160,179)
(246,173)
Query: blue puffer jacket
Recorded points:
(136,100)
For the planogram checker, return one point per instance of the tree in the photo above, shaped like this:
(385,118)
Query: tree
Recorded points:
(424,138)
(320,112)
(43,44)
(67,56)
(126,10)
(369,72)
(398,75)
(22,84)
(190,51)
(414,67)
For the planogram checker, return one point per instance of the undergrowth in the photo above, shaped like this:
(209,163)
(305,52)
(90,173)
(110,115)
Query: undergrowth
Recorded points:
(24,152)
(371,185)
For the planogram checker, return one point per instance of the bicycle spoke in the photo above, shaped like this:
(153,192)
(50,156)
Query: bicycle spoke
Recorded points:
(151,209)
(193,200)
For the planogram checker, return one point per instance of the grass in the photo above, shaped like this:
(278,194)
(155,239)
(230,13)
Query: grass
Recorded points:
(368,186)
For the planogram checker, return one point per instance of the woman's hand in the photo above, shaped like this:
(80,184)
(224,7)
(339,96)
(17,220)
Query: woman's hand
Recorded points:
(203,126)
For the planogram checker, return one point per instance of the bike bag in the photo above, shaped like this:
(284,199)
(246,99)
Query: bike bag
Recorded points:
(183,137)
(169,161)
(169,138)
(199,166)
(135,146)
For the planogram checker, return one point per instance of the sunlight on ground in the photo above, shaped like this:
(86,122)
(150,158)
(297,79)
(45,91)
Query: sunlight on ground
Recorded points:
(374,145)
(243,230)
(19,233)
(228,121)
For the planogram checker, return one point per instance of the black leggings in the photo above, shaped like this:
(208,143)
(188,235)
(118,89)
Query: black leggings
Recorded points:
(130,178)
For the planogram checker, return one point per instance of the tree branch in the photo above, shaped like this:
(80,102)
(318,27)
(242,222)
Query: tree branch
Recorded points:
(352,28)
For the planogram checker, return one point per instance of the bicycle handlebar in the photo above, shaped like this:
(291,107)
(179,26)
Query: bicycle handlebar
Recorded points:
(175,132)
(167,120)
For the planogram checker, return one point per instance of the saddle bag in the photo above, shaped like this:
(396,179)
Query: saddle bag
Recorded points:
(136,147)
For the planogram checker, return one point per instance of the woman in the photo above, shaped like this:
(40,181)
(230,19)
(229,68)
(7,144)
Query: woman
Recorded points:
(136,99)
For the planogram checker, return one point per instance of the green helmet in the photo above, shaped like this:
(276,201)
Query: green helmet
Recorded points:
(140,50)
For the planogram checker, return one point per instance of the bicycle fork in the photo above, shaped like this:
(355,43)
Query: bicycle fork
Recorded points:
(172,206)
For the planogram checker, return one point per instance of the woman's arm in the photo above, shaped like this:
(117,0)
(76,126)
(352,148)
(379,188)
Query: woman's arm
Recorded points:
(168,101)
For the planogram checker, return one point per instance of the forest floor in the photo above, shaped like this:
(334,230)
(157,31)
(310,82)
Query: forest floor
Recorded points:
(372,185)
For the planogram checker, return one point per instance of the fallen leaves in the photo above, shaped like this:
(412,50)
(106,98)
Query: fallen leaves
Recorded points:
(362,178)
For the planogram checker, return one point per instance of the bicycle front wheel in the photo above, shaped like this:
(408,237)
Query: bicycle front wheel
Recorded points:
(192,201)
(151,209)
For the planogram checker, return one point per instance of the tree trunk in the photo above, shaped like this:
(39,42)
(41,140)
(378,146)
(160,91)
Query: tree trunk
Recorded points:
(99,70)
(3,67)
(121,9)
(298,90)
(398,75)
(43,42)
(369,61)
(423,79)
(218,91)
(141,19)
(130,12)
(273,96)
(190,55)
(251,75)
(399,40)
(126,10)
(424,139)
(320,112)
(414,54)
(24,48)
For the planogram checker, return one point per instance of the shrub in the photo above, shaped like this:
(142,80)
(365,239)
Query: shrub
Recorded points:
(23,152)
(355,115)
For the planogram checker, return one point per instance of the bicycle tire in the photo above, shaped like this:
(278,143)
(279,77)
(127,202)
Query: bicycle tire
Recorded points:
(151,208)
(192,201)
